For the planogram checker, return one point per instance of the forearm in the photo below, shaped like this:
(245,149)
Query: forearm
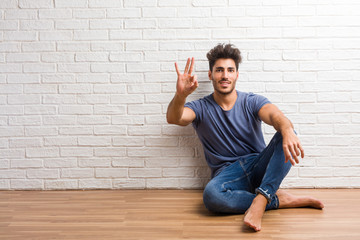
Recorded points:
(281,123)
(175,109)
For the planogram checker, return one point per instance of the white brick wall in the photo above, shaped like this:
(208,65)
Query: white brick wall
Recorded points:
(84,87)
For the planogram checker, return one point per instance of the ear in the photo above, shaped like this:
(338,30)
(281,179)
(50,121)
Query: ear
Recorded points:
(237,74)
(209,75)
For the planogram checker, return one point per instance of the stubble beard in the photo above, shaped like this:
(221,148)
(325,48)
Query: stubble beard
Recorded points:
(224,93)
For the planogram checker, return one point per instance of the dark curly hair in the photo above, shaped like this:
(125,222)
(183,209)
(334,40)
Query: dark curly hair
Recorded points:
(224,51)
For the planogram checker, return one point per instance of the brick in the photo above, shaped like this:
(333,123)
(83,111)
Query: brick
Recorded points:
(75,131)
(127,78)
(129,184)
(35,4)
(111,172)
(95,162)
(94,141)
(178,172)
(89,13)
(60,163)
(42,152)
(70,4)
(126,34)
(26,163)
(128,141)
(159,183)
(123,13)
(59,99)
(93,120)
(39,67)
(38,47)
(73,67)
(40,109)
(8,4)
(75,109)
(77,173)
(140,3)
(109,110)
(141,67)
(107,67)
(22,57)
(61,184)
(10,68)
(127,98)
(36,25)
(111,130)
(110,152)
(58,78)
(128,120)
(55,36)
(24,120)
(60,141)
(76,152)
(141,46)
(159,12)
(11,89)
(9,47)
(71,24)
(20,13)
(145,172)
(128,162)
(93,78)
(105,24)
(104,3)
(12,154)
(72,46)
(110,88)
(42,173)
(280,66)
(8,25)
(126,57)
(95,184)
(145,109)
(40,131)
(55,13)
(20,184)
(91,35)
(144,131)
(11,131)
(140,23)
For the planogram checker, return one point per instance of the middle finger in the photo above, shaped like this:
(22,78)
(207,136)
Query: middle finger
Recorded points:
(187,66)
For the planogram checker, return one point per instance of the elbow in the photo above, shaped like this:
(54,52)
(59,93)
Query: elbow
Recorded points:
(169,119)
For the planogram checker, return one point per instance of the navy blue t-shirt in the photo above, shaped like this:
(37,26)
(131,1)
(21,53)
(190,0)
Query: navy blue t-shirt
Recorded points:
(228,135)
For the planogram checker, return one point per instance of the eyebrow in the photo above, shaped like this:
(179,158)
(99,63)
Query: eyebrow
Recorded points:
(223,68)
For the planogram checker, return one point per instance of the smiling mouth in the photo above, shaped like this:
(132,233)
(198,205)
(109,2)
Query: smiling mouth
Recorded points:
(224,83)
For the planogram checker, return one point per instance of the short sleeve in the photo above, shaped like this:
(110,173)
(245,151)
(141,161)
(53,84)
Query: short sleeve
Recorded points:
(255,102)
(196,106)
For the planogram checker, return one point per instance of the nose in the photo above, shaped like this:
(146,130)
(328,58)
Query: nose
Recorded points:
(225,75)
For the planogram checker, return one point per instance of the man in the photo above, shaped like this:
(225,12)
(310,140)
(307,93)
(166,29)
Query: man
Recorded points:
(246,174)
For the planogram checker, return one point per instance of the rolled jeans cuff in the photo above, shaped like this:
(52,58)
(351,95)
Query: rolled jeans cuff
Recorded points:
(264,193)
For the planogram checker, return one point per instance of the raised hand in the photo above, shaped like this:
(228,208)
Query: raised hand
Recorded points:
(186,84)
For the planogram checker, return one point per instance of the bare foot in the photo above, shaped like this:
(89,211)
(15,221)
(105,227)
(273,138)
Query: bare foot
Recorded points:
(287,200)
(255,213)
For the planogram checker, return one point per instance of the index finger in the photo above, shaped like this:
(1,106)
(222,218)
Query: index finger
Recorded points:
(177,69)
(192,65)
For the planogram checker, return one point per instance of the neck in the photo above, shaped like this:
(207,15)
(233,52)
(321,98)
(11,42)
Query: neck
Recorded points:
(225,101)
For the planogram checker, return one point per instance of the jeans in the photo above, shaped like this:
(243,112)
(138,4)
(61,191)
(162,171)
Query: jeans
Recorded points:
(234,188)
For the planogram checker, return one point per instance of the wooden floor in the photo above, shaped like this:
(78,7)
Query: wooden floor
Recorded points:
(167,214)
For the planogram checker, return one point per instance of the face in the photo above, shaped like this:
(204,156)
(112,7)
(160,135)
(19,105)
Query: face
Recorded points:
(224,76)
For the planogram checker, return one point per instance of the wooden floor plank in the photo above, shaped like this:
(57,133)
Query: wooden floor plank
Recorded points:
(167,214)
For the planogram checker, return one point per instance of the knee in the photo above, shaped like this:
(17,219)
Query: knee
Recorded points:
(212,198)
(217,201)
